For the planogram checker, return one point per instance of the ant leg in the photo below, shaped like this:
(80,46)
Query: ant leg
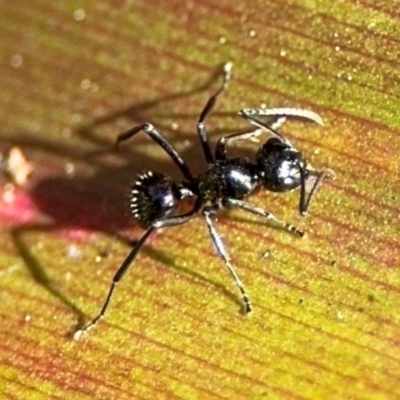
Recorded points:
(263,213)
(201,128)
(318,177)
(220,151)
(117,277)
(250,114)
(161,140)
(207,213)
(278,123)
(282,112)
(166,222)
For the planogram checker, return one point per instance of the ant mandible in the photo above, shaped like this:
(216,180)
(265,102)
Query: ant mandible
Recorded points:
(155,198)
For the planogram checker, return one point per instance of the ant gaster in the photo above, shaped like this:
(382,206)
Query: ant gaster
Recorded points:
(155,198)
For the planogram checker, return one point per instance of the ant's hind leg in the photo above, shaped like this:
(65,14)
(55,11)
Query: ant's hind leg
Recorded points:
(165,222)
(117,277)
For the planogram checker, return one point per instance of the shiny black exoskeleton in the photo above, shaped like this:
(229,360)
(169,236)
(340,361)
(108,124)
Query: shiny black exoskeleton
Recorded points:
(155,199)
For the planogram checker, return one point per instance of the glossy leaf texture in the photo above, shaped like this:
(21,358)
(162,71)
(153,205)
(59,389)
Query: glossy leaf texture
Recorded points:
(326,319)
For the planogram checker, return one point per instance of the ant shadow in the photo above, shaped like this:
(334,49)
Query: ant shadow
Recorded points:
(96,202)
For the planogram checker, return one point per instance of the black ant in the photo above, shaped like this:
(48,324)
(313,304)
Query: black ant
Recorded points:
(155,198)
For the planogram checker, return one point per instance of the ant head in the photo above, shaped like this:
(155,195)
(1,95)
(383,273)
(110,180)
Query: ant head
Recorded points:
(280,165)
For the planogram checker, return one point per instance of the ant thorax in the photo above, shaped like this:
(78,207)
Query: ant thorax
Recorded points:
(234,178)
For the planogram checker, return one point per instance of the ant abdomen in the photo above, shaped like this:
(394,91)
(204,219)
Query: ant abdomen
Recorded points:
(279,165)
(153,196)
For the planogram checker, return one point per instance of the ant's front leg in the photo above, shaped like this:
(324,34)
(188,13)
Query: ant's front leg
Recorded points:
(229,203)
(298,113)
(250,114)
(220,151)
